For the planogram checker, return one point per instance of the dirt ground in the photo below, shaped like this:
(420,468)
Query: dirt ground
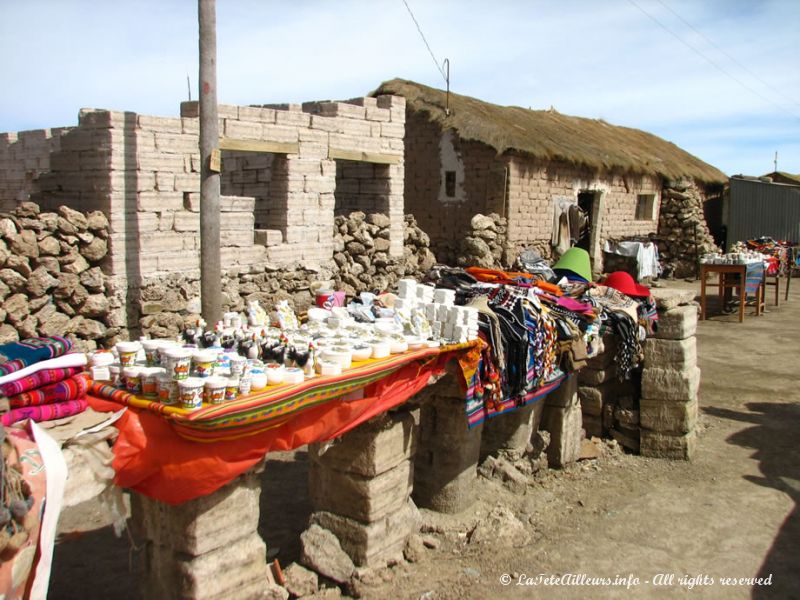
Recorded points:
(660,528)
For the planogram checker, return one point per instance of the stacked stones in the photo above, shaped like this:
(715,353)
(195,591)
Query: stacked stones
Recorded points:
(682,224)
(50,277)
(670,380)
(172,303)
(485,244)
(361,245)
(206,548)
(360,488)
(610,407)
(563,420)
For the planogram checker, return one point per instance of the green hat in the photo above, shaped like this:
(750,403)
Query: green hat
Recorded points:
(577,261)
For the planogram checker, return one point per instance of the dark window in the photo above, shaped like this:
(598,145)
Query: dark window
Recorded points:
(450,184)
(644,207)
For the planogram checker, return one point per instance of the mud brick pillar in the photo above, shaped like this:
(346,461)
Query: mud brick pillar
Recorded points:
(446,465)
(360,487)
(670,380)
(204,549)
(594,396)
(511,432)
(562,418)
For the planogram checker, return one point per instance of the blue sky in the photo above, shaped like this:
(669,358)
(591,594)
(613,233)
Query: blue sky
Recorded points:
(720,78)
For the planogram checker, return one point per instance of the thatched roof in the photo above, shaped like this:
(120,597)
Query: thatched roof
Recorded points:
(549,135)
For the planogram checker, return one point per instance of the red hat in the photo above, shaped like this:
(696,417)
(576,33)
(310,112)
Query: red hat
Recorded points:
(623,282)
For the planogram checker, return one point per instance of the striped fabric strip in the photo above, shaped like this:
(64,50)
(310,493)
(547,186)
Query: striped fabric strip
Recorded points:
(63,391)
(37,380)
(509,404)
(18,355)
(46,412)
(262,410)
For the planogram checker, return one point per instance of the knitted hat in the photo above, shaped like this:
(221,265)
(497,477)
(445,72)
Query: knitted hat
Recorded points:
(577,261)
(623,282)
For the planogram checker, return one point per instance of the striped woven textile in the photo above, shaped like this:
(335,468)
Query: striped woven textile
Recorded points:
(263,410)
(18,355)
(37,380)
(46,412)
(69,389)
(480,410)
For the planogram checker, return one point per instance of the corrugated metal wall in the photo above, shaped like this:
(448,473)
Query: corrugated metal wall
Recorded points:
(760,209)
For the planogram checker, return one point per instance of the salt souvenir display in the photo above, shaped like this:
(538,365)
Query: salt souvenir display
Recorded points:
(151,355)
(167,389)
(214,390)
(190,392)
(127,352)
(133,379)
(231,388)
(294,375)
(203,362)
(179,361)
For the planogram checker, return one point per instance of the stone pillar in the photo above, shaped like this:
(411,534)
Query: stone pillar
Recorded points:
(562,419)
(511,432)
(595,396)
(361,485)
(670,380)
(446,464)
(204,549)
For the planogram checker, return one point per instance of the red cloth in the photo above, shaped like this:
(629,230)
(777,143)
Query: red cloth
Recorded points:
(152,459)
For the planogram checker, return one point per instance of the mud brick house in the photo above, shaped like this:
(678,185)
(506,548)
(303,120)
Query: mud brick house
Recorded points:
(466,156)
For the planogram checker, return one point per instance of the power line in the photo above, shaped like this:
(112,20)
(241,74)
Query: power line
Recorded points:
(711,61)
(422,35)
(722,51)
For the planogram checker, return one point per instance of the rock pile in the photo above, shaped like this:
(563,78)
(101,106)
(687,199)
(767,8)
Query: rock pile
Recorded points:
(682,225)
(485,244)
(361,253)
(171,303)
(50,277)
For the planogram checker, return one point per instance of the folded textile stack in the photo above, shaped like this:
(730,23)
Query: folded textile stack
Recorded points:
(41,381)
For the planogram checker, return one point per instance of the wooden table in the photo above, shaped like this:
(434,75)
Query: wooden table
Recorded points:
(726,283)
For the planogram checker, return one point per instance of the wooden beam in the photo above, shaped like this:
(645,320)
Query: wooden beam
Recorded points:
(259,146)
(370,157)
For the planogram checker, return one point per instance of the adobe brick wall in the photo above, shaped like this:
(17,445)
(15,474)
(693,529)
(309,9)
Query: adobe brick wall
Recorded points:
(480,177)
(515,186)
(24,156)
(533,186)
(143,172)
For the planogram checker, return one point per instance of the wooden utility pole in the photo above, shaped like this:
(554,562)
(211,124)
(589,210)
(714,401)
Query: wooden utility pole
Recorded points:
(210,263)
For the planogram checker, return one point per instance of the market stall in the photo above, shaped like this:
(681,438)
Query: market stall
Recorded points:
(204,410)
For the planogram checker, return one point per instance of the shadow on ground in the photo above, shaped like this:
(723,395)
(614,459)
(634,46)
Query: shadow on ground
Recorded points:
(774,437)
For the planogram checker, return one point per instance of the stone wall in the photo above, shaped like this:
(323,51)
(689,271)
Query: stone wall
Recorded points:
(24,156)
(683,232)
(51,282)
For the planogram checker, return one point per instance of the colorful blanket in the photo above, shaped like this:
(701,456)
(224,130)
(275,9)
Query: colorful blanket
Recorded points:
(18,355)
(63,391)
(46,412)
(38,380)
(74,359)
